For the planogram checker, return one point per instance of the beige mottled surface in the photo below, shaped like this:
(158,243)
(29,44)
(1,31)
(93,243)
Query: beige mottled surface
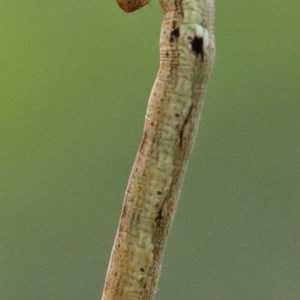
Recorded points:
(186,58)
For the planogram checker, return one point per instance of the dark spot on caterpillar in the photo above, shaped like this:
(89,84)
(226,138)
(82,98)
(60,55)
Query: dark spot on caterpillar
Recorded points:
(177,115)
(181,133)
(159,193)
(159,217)
(174,34)
(142,269)
(197,46)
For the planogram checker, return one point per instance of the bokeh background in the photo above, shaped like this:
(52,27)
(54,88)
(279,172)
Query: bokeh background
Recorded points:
(75,77)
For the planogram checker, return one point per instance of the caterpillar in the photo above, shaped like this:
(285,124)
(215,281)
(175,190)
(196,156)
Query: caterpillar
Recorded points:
(187,49)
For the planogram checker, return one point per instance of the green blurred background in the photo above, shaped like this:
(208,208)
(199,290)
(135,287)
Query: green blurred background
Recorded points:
(75,77)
